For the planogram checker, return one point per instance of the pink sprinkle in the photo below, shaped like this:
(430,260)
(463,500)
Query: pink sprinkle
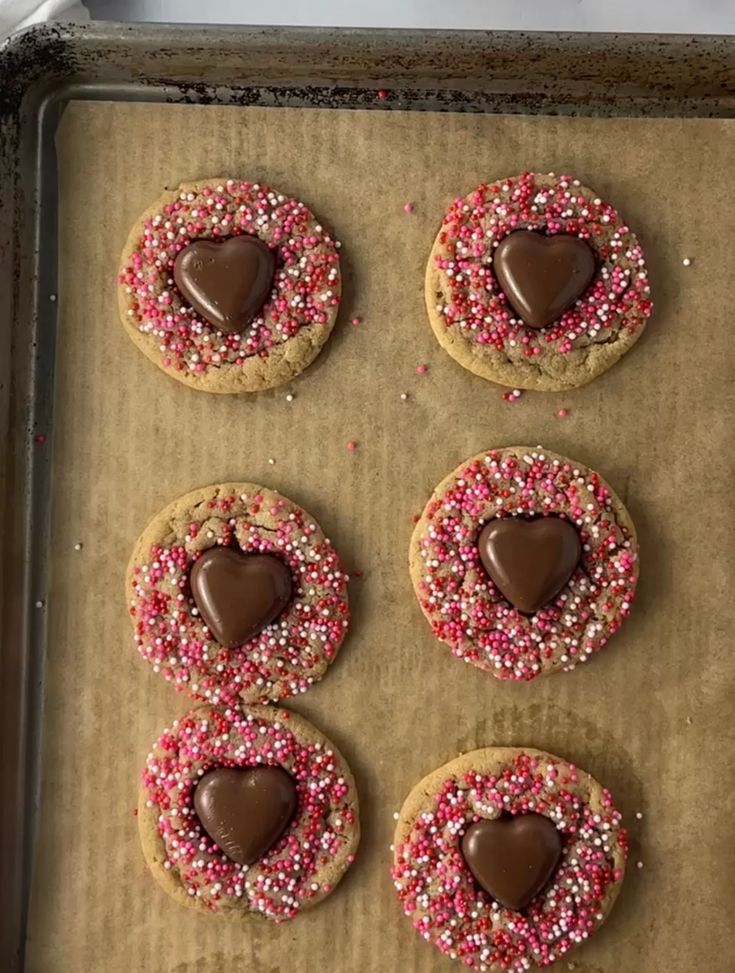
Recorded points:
(563,413)
(40,440)
(421,369)
(352,444)
(408,207)
(382,94)
(356,321)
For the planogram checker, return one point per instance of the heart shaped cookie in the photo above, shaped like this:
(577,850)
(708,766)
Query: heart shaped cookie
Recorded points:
(513,858)
(238,595)
(226,282)
(245,811)
(542,276)
(529,561)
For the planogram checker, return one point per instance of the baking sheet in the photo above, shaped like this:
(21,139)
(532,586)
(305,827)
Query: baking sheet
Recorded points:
(649,717)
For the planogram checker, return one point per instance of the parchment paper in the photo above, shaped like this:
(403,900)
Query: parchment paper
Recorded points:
(651,717)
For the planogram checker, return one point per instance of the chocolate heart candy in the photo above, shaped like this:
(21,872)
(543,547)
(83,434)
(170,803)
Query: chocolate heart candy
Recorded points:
(541,275)
(226,282)
(245,811)
(512,858)
(530,561)
(239,594)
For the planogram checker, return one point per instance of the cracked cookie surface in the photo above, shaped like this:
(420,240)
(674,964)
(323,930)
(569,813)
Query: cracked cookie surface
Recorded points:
(308,859)
(292,326)
(437,890)
(288,655)
(472,317)
(465,608)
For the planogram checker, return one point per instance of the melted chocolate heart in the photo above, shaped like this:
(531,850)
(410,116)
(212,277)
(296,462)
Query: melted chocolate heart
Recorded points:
(239,594)
(513,858)
(530,561)
(541,275)
(245,811)
(226,282)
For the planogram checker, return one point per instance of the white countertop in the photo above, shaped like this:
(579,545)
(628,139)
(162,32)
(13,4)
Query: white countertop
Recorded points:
(659,16)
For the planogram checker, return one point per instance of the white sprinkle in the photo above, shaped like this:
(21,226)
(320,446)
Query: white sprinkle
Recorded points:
(39,604)
(78,546)
(639,815)
(289,397)
(687,261)
(271,461)
(639,864)
(404,396)
(52,297)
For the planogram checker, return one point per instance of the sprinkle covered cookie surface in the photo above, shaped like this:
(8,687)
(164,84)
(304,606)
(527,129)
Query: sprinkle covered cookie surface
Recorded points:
(286,655)
(473,317)
(463,604)
(445,903)
(299,309)
(309,858)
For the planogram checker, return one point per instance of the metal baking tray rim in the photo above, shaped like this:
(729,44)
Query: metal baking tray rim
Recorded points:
(43,67)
